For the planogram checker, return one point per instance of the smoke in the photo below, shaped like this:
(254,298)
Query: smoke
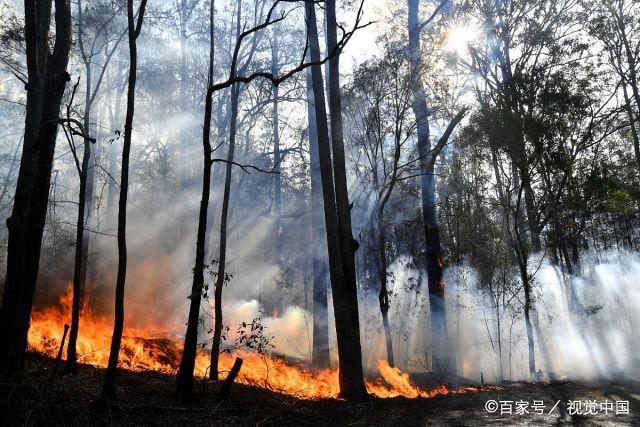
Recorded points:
(585,326)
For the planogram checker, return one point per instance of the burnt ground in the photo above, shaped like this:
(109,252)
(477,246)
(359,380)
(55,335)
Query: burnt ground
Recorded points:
(44,398)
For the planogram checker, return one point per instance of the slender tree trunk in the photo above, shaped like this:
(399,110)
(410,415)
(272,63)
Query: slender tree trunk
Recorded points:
(187,363)
(80,264)
(529,202)
(222,257)
(441,349)
(343,286)
(47,79)
(85,204)
(277,177)
(383,296)
(221,274)
(632,124)
(632,64)
(320,354)
(526,284)
(109,386)
(522,256)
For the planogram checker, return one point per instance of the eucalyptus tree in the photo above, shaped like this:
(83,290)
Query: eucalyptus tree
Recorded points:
(134,27)
(615,24)
(241,71)
(47,57)
(98,39)
(442,354)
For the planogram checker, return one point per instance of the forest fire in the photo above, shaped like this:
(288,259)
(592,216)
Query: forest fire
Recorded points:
(154,350)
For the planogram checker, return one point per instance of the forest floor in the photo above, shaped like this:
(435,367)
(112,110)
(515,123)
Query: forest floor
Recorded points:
(147,398)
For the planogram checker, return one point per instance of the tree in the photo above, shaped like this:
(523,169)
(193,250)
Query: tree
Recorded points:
(46,81)
(134,26)
(440,347)
(187,363)
(87,170)
(320,352)
(337,221)
(237,75)
(612,22)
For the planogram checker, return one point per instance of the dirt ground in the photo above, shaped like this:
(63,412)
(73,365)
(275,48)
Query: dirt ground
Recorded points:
(44,398)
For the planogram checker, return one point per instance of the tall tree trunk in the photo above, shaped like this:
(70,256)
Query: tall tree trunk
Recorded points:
(222,256)
(320,352)
(134,27)
(442,353)
(383,296)
(341,270)
(526,284)
(529,203)
(80,261)
(277,178)
(47,79)
(187,363)
(632,64)
(221,274)
(632,123)
(85,204)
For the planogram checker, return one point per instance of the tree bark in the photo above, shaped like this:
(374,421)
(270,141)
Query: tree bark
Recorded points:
(222,257)
(320,352)
(109,386)
(47,78)
(277,177)
(632,124)
(221,274)
(383,296)
(337,221)
(187,363)
(85,204)
(440,346)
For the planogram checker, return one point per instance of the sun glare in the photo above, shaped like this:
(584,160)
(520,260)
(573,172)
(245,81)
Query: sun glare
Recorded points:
(458,39)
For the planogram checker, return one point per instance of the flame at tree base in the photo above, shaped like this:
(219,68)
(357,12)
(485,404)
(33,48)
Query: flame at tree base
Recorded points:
(154,350)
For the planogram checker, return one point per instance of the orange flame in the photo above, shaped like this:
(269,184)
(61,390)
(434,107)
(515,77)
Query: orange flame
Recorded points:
(154,350)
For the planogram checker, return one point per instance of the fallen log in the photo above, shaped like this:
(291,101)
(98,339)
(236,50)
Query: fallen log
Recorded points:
(59,356)
(225,389)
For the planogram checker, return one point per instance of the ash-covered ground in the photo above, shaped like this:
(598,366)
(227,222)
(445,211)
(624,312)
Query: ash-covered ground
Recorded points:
(146,398)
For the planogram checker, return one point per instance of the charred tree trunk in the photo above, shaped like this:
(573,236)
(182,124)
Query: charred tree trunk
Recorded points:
(134,27)
(221,274)
(441,351)
(337,220)
(222,257)
(85,204)
(47,79)
(187,363)
(80,264)
(529,201)
(321,353)
(225,388)
(526,284)
(383,296)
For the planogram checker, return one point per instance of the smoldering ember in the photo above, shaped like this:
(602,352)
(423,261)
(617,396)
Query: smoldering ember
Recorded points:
(320,212)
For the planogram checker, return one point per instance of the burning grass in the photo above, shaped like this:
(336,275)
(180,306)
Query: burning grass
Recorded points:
(155,350)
